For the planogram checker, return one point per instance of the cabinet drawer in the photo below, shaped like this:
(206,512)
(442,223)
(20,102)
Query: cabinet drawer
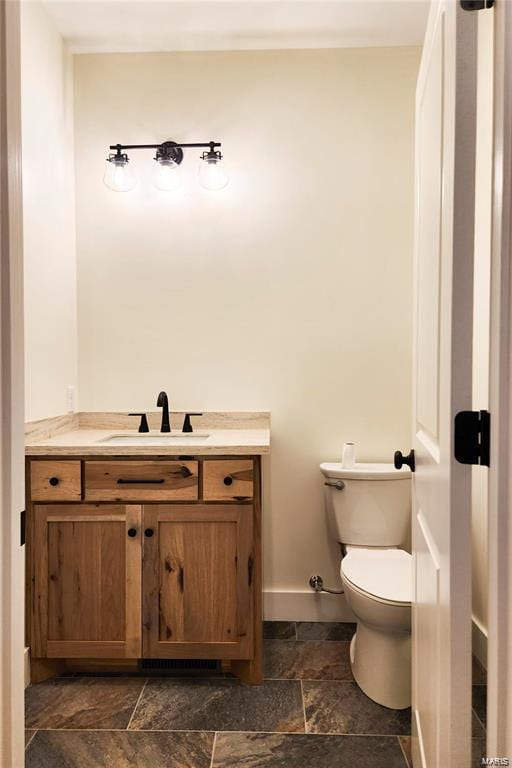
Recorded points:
(55,481)
(228,480)
(141,480)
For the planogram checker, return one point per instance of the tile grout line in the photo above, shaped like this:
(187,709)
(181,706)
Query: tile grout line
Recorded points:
(475,714)
(31,739)
(216,679)
(137,703)
(177,678)
(403,751)
(315,680)
(213,748)
(265,733)
(303,706)
(326,640)
(135,730)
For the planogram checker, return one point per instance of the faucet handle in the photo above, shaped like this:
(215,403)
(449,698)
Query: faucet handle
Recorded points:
(143,426)
(187,425)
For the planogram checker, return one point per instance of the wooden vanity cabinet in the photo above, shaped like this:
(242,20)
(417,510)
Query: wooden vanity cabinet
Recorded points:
(198,577)
(171,570)
(141,480)
(55,481)
(230,480)
(87,563)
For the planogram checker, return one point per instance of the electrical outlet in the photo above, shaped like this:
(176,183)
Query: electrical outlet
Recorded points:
(70,399)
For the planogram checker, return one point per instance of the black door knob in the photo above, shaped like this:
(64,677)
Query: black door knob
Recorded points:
(148,532)
(228,480)
(53,480)
(408,460)
(132,532)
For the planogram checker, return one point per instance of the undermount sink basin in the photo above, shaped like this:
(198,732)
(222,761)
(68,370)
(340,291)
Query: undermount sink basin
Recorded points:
(152,437)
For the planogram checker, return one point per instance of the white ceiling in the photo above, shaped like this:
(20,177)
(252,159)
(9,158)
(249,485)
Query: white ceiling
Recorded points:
(92,26)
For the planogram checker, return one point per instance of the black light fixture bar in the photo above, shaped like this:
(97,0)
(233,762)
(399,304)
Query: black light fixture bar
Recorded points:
(210,144)
(168,156)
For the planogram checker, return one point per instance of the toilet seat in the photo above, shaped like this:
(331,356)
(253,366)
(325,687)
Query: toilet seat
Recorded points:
(382,574)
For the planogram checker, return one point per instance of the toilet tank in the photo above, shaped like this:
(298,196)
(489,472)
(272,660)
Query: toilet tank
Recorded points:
(368,504)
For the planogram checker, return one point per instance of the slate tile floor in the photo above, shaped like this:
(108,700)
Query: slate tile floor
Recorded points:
(308,712)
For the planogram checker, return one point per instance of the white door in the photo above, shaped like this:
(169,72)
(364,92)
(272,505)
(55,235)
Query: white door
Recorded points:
(12,576)
(445,158)
(499,619)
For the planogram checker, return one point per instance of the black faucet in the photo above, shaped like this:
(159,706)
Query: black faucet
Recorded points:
(163,402)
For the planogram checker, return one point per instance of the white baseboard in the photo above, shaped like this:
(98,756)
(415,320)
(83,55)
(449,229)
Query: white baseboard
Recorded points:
(27,666)
(305,606)
(479,639)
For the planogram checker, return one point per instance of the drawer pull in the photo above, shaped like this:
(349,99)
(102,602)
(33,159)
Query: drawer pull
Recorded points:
(226,480)
(148,532)
(146,480)
(132,532)
(139,482)
(55,480)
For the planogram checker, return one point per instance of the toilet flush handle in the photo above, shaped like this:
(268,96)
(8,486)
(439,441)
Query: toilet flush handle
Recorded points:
(338,484)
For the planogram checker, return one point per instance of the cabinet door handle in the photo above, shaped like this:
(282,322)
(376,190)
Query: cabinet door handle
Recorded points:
(54,481)
(250,569)
(132,532)
(140,482)
(228,480)
(148,532)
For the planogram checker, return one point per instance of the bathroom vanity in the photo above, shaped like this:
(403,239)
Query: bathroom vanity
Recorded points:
(141,554)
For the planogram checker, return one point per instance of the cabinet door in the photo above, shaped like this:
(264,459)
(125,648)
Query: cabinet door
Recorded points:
(198,567)
(87,581)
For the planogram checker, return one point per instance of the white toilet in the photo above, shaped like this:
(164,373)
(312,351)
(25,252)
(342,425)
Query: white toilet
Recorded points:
(369,507)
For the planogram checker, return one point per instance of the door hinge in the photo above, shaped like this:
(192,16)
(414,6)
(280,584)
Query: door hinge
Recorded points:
(476,5)
(473,437)
(23,527)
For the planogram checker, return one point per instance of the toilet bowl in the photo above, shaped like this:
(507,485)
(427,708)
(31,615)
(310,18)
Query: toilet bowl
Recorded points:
(378,589)
(369,507)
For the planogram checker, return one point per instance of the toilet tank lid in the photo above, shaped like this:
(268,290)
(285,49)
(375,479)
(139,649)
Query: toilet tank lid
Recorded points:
(336,471)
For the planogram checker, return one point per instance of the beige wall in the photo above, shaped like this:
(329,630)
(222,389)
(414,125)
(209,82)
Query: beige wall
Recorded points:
(48,214)
(289,291)
(481,305)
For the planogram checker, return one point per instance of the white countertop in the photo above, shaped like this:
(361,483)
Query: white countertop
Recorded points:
(91,442)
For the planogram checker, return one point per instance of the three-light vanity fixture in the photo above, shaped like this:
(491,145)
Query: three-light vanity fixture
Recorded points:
(119,175)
